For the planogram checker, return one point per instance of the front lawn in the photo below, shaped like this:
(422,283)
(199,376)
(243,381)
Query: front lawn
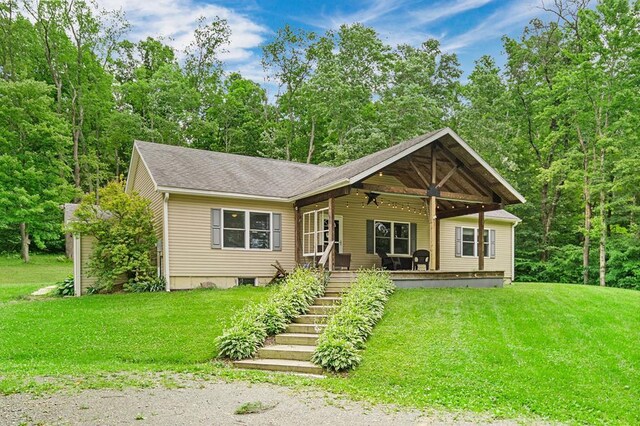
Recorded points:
(111,333)
(551,351)
(20,279)
(562,352)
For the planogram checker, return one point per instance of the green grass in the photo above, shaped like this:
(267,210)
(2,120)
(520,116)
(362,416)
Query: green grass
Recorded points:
(550,351)
(20,279)
(560,352)
(121,332)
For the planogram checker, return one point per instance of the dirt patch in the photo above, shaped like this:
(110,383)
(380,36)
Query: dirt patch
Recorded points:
(207,403)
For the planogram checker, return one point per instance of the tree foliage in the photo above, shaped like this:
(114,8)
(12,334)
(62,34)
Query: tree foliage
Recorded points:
(122,225)
(559,120)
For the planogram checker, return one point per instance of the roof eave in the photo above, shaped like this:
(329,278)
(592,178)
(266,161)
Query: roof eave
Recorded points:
(201,192)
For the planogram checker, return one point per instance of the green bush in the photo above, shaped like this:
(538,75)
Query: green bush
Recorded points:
(65,287)
(122,225)
(254,323)
(146,286)
(350,326)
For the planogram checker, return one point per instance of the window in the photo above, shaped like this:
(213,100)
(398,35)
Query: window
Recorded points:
(243,229)
(315,232)
(392,237)
(470,239)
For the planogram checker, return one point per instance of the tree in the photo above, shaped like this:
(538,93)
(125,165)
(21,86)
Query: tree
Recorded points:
(122,225)
(32,187)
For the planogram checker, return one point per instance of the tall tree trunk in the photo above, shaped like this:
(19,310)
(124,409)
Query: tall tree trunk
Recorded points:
(311,140)
(603,224)
(24,242)
(586,191)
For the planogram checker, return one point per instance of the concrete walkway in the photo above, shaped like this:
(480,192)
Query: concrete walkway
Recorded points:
(44,290)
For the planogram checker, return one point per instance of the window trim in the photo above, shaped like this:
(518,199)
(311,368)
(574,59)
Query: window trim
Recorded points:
(247,229)
(316,234)
(487,253)
(392,238)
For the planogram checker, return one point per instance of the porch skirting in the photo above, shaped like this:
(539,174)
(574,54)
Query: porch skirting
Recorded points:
(479,279)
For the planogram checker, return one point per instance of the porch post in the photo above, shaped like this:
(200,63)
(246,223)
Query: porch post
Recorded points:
(297,226)
(432,234)
(481,241)
(437,258)
(332,232)
(433,231)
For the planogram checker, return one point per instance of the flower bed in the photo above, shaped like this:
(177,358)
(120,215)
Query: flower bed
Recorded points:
(350,326)
(254,323)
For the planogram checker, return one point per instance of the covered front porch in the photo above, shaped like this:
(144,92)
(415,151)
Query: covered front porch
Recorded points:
(407,202)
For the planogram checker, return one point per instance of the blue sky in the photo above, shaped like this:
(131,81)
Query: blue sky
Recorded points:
(469,28)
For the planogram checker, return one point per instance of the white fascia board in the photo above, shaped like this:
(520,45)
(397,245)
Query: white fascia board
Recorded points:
(183,191)
(332,186)
(135,156)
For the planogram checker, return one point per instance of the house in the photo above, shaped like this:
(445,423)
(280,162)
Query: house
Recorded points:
(224,219)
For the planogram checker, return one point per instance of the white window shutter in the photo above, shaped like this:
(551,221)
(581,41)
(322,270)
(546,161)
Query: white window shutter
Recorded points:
(492,243)
(458,241)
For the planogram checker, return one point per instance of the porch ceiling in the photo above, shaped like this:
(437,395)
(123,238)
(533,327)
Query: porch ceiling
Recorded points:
(457,173)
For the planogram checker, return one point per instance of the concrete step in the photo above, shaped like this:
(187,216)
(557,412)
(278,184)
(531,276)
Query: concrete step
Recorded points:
(344,273)
(293,352)
(288,365)
(326,300)
(306,328)
(321,309)
(297,339)
(344,279)
(334,293)
(310,319)
(338,285)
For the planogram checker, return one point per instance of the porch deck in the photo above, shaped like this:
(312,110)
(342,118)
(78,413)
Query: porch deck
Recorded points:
(441,279)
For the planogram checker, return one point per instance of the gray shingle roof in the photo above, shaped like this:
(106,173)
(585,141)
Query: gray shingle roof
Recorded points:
(198,170)
(187,168)
(360,165)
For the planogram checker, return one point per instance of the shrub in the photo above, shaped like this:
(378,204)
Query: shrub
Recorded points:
(350,326)
(122,224)
(254,323)
(150,285)
(65,287)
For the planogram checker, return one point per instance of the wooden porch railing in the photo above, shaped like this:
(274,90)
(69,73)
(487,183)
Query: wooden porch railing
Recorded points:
(325,254)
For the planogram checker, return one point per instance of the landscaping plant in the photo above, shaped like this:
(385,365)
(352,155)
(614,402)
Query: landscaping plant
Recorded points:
(254,323)
(65,287)
(122,224)
(348,328)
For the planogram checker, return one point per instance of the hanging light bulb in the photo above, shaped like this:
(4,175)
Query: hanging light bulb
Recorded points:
(347,204)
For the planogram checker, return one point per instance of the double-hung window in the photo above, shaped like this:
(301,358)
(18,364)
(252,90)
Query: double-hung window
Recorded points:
(392,237)
(470,240)
(246,229)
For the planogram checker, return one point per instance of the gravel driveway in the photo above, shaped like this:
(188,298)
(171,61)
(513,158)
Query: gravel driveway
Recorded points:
(204,403)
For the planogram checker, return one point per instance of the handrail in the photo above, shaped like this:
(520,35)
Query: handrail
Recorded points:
(326,253)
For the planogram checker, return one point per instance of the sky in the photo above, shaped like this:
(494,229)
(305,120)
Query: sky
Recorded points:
(469,28)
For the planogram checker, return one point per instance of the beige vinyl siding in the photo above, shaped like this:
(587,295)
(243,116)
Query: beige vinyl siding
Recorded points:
(86,248)
(192,261)
(504,250)
(354,221)
(144,186)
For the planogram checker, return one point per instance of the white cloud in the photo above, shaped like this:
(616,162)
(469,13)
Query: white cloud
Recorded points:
(175,21)
(445,10)
(495,25)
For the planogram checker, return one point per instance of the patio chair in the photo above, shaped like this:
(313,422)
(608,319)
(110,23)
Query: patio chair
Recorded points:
(421,257)
(388,263)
